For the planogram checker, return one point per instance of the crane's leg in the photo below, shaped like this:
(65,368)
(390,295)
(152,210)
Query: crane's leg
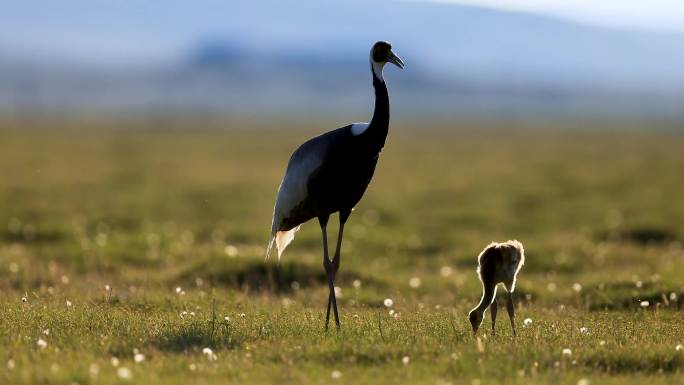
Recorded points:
(493,309)
(344,215)
(327,264)
(511,311)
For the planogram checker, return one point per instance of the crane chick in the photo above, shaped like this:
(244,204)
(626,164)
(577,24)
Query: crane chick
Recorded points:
(497,263)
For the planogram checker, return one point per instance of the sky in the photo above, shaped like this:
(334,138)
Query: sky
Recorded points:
(520,44)
(648,14)
(111,31)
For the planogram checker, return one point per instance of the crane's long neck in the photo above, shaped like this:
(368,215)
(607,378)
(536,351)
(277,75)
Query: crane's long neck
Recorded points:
(379,124)
(487,298)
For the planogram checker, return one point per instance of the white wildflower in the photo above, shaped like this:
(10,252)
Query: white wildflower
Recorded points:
(405,360)
(388,302)
(231,251)
(336,375)
(124,373)
(41,343)
(527,322)
(445,271)
(415,282)
(566,352)
(211,356)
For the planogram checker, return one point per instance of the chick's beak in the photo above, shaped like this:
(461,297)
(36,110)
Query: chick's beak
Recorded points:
(396,60)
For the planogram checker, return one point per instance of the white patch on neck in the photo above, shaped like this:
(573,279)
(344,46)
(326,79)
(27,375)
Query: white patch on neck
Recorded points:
(377,70)
(377,67)
(358,128)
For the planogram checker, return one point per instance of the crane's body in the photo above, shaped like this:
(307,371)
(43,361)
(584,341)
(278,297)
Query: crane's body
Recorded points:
(329,173)
(326,174)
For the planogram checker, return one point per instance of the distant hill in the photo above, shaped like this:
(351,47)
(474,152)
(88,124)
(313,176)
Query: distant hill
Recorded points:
(470,41)
(310,57)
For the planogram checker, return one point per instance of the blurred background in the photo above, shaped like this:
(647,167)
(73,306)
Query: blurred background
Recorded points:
(509,59)
(142,144)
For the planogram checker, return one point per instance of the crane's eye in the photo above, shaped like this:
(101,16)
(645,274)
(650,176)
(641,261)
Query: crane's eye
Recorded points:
(379,53)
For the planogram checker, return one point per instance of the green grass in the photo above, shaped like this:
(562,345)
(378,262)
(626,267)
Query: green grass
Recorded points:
(148,207)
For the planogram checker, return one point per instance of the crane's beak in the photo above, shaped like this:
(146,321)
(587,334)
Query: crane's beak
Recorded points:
(394,59)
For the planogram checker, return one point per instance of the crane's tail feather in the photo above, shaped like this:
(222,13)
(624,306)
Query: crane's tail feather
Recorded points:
(270,247)
(281,239)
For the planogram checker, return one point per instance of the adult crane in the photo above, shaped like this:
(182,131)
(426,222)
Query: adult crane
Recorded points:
(329,174)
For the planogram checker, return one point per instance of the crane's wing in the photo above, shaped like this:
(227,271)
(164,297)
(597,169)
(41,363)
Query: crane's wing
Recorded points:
(290,207)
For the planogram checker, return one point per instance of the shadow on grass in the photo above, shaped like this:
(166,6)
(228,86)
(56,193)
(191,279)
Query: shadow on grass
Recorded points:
(645,235)
(624,295)
(377,356)
(196,336)
(628,362)
(261,277)
(35,236)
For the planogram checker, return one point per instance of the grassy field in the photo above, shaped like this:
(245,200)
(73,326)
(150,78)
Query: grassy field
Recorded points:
(126,249)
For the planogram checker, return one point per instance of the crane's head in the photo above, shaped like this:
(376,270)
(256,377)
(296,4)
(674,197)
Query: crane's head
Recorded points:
(381,54)
(475,317)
